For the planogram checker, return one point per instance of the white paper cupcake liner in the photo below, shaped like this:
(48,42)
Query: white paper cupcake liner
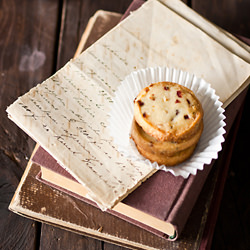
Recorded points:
(121,116)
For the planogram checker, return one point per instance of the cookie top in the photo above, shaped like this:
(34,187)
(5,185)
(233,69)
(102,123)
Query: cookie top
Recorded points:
(168,111)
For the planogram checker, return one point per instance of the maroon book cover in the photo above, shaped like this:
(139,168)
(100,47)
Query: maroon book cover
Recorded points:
(163,195)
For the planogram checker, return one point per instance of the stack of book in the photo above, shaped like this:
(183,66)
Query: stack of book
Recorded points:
(164,211)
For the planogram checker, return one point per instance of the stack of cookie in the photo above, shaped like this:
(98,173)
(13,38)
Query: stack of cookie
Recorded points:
(167,124)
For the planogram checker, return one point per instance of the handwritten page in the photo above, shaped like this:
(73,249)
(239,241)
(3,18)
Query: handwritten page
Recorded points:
(68,113)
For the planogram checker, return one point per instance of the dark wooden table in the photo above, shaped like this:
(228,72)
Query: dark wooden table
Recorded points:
(37,37)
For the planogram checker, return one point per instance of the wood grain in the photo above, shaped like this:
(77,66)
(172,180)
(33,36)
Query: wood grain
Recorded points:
(27,31)
(16,232)
(234,216)
(56,238)
(232,15)
(232,229)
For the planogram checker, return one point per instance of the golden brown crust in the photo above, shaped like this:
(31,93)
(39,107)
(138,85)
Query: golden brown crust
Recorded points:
(168,111)
(168,160)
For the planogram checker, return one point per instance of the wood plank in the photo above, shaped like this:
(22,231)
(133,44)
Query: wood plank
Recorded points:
(27,31)
(27,49)
(232,15)
(108,246)
(233,220)
(232,228)
(56,238)
(16,232)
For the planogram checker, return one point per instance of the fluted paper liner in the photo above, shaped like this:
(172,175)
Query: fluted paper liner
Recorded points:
(121,116)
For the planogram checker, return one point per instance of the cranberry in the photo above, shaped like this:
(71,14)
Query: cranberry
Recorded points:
(140,103)
(179,94)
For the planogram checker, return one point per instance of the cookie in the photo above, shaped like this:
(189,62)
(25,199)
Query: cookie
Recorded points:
(168,111)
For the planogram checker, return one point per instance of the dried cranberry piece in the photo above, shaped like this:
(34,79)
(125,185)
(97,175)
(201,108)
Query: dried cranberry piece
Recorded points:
(179,94)
(186,117)
(188,101)
(177,101)
(177,112)
(144,114)
(140,103)
(166,88)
